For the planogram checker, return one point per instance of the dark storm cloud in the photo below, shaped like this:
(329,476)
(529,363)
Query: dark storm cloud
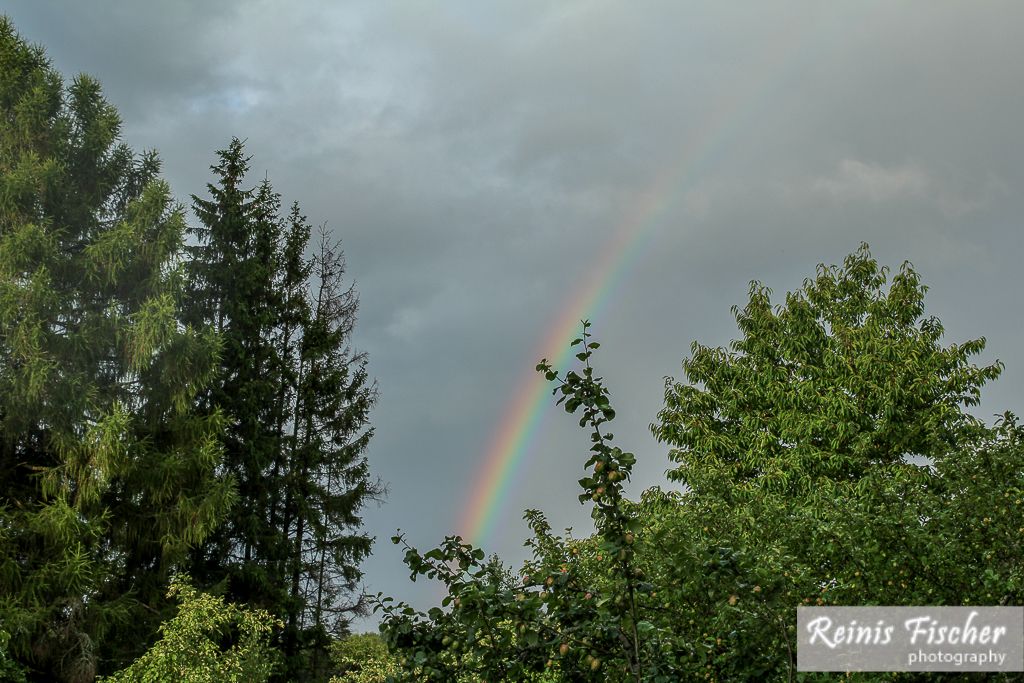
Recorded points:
(475,157)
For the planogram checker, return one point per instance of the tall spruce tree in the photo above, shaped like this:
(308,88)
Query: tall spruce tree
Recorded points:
(232,289)
(297,400)
(335,396)
(107,472)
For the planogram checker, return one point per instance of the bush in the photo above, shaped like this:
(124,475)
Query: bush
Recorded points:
(209,641)
(362,658)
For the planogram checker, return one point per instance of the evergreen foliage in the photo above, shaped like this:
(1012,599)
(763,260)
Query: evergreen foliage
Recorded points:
(298,400)
(107,473)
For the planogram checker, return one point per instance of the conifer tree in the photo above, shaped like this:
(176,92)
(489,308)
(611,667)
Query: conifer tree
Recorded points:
(107,473)
(297,400)
(328,462)
(232,289)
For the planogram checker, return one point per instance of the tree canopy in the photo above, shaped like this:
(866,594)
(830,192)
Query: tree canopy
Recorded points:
(107,473)
(848,376)
(164,407)
(826,457)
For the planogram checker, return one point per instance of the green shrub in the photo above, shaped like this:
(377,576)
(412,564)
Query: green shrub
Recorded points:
(209,641)
(363,658)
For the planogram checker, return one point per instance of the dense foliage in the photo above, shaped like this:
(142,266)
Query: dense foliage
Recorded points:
(362,658)
(107,473)
(163,407)
(191,648)
(827,458)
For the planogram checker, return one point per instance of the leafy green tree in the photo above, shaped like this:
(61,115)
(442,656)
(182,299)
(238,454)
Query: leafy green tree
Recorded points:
(298,401)
(192,650)
(845,379)
(830,446)
(362,658)
(827,458)
(579,612)
(107,474)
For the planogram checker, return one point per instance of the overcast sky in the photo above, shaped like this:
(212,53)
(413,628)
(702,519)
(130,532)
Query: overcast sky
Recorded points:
(476,158)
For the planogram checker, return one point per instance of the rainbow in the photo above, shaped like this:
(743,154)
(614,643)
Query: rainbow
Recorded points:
(510,444)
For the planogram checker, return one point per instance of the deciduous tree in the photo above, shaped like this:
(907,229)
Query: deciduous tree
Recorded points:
(828,458)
